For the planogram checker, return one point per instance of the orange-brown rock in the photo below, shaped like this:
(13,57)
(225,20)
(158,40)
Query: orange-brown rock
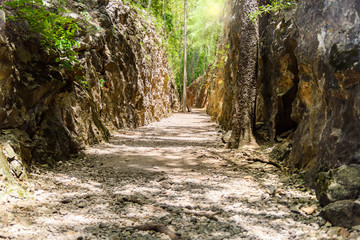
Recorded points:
(308,86)
(197,92)
(128,81)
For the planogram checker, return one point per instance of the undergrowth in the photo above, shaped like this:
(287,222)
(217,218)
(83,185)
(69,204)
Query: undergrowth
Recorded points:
(56,31)
(273,6)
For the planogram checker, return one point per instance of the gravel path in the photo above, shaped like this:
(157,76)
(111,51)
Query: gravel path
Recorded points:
(177,176)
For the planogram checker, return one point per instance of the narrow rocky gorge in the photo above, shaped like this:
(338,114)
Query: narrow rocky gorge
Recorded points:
(98,153)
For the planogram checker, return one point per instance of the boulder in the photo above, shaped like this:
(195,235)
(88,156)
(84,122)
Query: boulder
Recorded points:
(345,213)
(14,155)
(226,137)
(338,184)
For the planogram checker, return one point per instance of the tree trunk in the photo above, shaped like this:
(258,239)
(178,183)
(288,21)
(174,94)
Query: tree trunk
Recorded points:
(243,43)
(149,4)
(204,59)
(184,95)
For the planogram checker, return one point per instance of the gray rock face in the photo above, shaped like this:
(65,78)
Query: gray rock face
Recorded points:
(344,213)
(309,81)
(328,54)
(129,83)
(339,184)
(309,84)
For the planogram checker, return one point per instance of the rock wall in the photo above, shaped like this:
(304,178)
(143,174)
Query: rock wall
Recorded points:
(46,115)
(328,98)
(308,76)
(197,92)
(309,82)
(243,41)
(277,75)
(220,81)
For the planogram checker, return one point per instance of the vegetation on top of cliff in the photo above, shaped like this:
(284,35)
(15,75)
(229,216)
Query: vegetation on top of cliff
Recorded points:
(51,21)
(273,6)
(56,31)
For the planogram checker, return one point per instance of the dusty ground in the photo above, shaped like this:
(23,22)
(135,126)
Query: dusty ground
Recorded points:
(176,173)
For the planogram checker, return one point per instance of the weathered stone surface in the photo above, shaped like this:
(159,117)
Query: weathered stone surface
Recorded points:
(339,184)
(308,88)
(197,92)
(232,80)
(278,75)
(328,54)
(309,81)
(345,213)
(220,98)
(129,83)
(226,137)
(281,152)
(15,154)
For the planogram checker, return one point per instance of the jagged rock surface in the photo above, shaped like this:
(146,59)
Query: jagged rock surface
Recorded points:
(278,75)
(310,82)
(129,83)
(221,84)
(328,97)
(197,92)
(308,86)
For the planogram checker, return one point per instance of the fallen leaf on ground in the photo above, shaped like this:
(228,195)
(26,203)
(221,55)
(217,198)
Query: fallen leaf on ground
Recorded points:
(308,210)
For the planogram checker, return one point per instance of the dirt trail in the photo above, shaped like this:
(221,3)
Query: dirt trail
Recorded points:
(176,173)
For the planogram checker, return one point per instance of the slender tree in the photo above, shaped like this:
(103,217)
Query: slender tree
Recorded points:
(244,42)
(149,4)
(184,95)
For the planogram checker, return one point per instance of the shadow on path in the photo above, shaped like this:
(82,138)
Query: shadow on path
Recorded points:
(166,173)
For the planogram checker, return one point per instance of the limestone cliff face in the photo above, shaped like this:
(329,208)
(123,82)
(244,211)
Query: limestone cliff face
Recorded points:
(220,80)
(309,81)
(308,90)
(128,83)
(197,92)
(328,55)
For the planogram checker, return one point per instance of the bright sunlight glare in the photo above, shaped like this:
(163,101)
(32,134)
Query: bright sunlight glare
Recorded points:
(214,9)
(211,8)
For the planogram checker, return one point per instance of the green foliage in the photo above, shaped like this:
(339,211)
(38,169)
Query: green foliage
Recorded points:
(82,81)
(56,31)
(204,28)
(273,6)
(102,82)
